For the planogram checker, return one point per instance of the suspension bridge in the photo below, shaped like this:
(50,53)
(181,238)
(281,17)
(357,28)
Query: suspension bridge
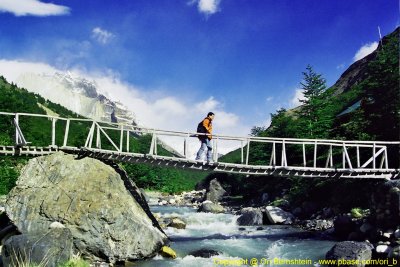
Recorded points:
(285,157)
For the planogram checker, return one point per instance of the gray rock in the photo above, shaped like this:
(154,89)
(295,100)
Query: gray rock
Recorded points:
(395,253)
(397,234)
(264,198)
(204,253)
(276,215)
(250,216)
(49,248)
(366,227)
(385,249)
(107,217)
(177,223)
(350,250)
(208,206)
(215,191)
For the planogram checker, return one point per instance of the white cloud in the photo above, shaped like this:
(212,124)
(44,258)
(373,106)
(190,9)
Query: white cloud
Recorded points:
(102,36)
(269,99)
(365,50)
(295,101)
(207,7)
(162,112)
(32,8)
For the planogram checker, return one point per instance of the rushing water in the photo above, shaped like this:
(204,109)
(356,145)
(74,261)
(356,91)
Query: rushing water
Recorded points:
(237,247)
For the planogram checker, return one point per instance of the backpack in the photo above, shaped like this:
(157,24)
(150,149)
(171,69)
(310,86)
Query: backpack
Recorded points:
(201,128)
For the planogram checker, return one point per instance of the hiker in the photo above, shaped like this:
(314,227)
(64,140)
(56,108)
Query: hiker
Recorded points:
(205,126)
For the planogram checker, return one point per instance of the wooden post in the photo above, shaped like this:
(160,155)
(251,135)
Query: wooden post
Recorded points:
(121,139)
(53,132)
(304,155)
(373,156)
(284,160)
(127,140)
(315,154)
(98,137)
(66,133)
(248,152)
(16,129)
(242,152)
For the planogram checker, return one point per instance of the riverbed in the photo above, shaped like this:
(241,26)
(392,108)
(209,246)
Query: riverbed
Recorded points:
(237,245)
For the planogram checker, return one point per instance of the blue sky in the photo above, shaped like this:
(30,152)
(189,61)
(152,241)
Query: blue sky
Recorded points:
(240,58)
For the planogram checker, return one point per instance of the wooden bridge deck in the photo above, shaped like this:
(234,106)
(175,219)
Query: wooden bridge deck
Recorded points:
(245,169)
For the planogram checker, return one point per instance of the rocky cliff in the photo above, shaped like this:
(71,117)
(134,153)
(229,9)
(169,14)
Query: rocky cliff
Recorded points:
(358,71)
(77,94)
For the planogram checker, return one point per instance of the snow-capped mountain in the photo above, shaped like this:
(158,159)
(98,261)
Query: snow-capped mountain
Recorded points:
(77,94)
(81,96)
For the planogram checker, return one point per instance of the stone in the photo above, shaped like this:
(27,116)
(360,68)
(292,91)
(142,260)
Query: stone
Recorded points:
(383,249)
(50,248)
(366,227)
(167,252)
(250,216)
(177,223)
(264,198)
(395,253)
(103,209)
(204,253)
(55,225)
(276,215)
(350,250)
(208,206)
(215,191)
(397,234)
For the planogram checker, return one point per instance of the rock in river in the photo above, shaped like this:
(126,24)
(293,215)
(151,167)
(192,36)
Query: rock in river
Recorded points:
(105,212)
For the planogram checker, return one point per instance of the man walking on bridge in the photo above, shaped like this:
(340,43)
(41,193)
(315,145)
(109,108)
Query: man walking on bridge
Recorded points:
(205,127)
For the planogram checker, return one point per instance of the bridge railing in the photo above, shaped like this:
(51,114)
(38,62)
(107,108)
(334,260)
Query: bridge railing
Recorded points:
(309,154)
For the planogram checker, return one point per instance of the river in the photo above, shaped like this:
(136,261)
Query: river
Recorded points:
(238,246)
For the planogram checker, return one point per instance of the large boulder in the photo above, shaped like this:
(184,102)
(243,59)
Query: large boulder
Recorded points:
(215,191)
(50,248)
(250,216)
(107,217)
(350,252)
(277,215)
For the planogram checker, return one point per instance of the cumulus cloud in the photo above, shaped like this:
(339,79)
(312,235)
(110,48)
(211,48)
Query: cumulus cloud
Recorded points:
(102,36)
(32,8)
(207,7)
(295,101)
(162,112)
(365,50)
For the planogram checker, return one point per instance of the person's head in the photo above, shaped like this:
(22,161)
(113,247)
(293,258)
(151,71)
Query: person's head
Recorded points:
(211,115)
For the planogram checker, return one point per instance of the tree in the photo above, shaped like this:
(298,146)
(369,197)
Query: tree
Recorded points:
(313,119)
(382,93)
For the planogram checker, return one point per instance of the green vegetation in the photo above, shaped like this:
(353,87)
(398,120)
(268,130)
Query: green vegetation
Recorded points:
(376,118)
(14,99)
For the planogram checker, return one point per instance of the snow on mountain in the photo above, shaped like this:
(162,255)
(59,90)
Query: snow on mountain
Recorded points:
(81,96)
(77,94)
